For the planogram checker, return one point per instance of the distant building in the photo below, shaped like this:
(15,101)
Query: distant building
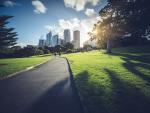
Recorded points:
(55,40)
(76,39)
(67,35)
(62,41)
(42,42)
(49,39)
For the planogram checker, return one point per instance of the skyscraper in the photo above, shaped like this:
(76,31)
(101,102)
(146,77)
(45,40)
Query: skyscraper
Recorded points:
(55,40)
(67,35)
(49,39)
(76,39)
(42,43)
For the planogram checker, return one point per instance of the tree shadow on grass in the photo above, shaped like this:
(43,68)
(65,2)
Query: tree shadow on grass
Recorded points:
(142,61)
(145,58)
(3,64)
(126,98)
(123,97)
(131,66)
(94,95)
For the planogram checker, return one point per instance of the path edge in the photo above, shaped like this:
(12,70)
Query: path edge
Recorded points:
(24,70)
(78,93)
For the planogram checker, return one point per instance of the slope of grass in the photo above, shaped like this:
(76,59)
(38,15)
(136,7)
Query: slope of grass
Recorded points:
(133,49)
(116,83)
(12,65)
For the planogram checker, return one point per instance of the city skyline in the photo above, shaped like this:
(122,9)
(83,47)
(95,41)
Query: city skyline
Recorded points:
(52,40)
(33,19)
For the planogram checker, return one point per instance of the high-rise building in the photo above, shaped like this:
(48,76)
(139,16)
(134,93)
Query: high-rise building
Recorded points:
(49,39)
(67,35)
(42,43)
(59,40)
(55,40)
(62,41)
(76,39)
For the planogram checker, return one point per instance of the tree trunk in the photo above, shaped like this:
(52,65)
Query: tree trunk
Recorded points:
(109,46)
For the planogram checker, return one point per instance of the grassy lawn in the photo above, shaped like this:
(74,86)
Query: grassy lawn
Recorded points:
(12,65)
(116,83)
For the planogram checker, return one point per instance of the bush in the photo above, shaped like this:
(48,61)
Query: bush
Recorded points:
(69,51)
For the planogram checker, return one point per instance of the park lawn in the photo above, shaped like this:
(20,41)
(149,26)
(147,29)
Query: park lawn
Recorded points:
(12,65)
(115,83)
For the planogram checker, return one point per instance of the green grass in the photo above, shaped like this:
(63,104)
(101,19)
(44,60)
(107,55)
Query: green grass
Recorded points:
(116,83)
(12,65)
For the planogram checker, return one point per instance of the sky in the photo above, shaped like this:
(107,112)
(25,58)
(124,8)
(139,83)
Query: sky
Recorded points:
(34,18)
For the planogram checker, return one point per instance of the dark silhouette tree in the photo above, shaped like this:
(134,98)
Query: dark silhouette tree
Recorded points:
(109,28)
(7,35)
(122,17)
(87,47)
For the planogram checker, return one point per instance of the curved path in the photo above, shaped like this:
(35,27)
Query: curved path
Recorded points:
(45,89)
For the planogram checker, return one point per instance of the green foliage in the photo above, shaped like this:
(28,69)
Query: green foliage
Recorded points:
(123,17)
(68,46)
(87,47)
(7,35)
(28,51)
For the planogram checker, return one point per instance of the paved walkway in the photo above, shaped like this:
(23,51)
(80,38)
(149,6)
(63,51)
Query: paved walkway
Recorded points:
(45,89)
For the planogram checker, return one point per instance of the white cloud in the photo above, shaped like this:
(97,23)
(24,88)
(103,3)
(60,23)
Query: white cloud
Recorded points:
(69,24)
(48,27)
(90,12)
(21,44)
(79,5)
(39,7)
(9,3)
(94,2)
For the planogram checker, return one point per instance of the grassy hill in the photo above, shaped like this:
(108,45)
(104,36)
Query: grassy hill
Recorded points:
(133,49)
(115,83)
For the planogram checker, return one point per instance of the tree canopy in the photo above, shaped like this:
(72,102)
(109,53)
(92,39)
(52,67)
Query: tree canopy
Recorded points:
(120,18)
(8,37)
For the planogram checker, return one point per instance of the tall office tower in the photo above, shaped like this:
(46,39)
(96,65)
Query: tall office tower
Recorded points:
(55,40)
(67,35)
(49,39)
(62,41)
(76,39)
(42,43)
(59,41)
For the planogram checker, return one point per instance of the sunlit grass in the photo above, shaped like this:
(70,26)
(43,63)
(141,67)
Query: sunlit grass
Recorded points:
(12,65)
(116,83)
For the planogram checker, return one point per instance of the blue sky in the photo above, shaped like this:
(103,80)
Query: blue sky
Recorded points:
(34,18)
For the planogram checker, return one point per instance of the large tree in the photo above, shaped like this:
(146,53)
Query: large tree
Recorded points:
(109,28)
(120,17)
(7,35)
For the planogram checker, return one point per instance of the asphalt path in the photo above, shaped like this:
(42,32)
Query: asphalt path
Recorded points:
(45,89)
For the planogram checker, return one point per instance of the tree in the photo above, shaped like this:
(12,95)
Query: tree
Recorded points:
(58,48)
(136,17)
(7,35)
(69,45)
(108,29)
(122,17)
(87,47)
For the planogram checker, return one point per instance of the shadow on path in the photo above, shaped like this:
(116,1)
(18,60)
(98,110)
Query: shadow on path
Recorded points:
(46,89)
(61,98)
